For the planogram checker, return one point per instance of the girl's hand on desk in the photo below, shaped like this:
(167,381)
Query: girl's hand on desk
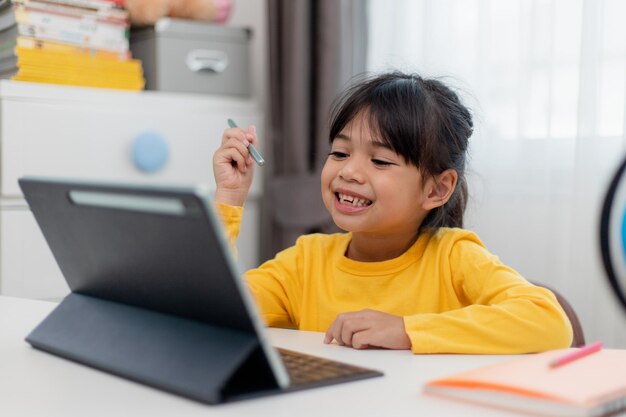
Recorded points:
(233,166)
(368,328)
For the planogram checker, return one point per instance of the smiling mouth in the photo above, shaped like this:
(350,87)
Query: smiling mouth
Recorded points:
(354,201)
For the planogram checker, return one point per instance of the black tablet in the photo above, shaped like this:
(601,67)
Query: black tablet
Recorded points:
(155,294)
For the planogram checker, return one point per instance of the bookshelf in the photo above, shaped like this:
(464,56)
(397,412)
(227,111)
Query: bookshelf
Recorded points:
(75,132)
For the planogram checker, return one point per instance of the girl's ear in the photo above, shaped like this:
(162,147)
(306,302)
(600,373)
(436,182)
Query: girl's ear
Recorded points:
(439,189)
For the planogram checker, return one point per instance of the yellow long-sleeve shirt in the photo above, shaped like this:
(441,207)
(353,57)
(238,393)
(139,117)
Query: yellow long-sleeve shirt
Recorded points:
(454,296)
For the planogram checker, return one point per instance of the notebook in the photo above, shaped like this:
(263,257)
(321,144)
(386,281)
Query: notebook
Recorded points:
(594,385)
(155,295)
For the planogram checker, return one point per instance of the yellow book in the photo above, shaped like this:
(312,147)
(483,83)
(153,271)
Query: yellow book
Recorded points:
(95,78)
(101,77)
(69,65)
(108,83)
(73,73)
(47,57)
(73,69)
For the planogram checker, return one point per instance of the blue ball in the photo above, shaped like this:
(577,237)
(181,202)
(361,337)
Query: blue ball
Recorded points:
(150,152)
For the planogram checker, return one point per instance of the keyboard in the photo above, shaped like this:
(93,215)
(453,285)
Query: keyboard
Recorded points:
(307,370)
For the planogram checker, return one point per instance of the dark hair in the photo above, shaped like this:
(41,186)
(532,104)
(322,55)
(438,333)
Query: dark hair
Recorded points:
(423,121)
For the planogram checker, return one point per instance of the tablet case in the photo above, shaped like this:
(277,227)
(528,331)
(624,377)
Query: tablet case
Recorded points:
(187,357)
(142,308)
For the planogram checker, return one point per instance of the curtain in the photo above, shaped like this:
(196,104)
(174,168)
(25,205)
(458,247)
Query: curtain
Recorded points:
(546,81)
(315,49)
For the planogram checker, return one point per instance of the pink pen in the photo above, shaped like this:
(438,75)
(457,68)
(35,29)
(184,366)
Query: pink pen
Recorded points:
(579,353)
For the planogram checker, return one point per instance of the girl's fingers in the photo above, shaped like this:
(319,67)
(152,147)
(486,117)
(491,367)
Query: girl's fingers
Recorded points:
(335,332)
(342,329)
(252,135)
(237,144)
(349,328)
(235,133)
(232,155)
(245,136)
(360,340)
(235,150)
(240,139)
(328,337)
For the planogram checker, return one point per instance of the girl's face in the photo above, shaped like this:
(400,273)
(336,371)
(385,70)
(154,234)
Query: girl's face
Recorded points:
(368,188)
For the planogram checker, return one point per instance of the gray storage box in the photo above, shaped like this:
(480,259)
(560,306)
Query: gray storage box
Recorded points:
(193,57)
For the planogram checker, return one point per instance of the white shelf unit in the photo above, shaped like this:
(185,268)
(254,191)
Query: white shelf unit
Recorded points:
(84,133)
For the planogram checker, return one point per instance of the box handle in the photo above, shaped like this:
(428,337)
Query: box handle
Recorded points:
(207,60)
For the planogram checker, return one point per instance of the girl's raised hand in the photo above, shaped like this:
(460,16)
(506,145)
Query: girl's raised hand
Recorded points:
(368,328)
(233,166)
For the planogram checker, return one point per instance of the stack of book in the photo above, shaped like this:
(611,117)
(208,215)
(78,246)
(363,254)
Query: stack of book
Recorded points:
(75,42)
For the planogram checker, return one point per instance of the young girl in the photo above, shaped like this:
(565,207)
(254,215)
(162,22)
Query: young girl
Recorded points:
(405,275)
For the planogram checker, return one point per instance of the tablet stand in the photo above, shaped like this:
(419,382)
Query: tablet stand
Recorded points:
(187,357)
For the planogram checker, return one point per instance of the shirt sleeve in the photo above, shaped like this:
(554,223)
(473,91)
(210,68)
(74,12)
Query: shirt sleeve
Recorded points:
(276,286)
(502,314)
(231,219)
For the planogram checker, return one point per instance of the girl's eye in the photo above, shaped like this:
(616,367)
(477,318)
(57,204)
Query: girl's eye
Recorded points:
(338,155)
(381,163)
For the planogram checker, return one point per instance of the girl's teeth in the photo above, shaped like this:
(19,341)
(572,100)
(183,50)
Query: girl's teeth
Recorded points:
(356,202)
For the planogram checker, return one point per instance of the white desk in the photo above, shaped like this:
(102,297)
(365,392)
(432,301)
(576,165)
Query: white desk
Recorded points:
(35,383)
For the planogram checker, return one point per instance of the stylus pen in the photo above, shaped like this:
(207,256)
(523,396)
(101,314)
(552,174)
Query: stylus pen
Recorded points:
(577,354)
(253,152)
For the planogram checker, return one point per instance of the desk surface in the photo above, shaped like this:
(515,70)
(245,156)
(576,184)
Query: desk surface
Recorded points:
(35,383)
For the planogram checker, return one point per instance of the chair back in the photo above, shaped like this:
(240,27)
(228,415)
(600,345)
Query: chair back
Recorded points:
(579,336)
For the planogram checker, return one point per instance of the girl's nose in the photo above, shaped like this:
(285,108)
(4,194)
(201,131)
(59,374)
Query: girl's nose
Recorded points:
(351,171)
